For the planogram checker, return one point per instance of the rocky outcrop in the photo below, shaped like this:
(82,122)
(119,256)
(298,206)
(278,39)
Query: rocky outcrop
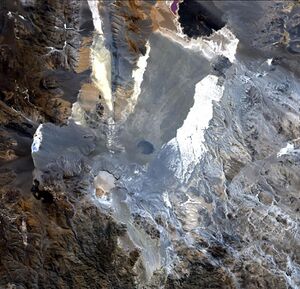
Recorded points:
(39,45)
(63,241)
(127,26)
(149,145)
(66,244)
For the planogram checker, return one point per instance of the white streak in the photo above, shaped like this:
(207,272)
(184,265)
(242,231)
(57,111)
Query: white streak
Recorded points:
(222,42)
(286,150)
(167,200)
(269,61)
(101,62)
(101,59)
(138,74)
(24,232)
(190,137)
(37,140)
(96,17)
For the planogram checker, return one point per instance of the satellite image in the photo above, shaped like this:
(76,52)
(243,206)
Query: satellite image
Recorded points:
(149,144)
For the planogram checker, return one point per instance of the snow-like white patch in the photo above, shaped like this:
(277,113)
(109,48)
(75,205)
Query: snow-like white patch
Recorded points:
(77,114)
(96,16)
(37,140)
(24,233)
(286,150)
(138,74)
(269,61)
(190,137)
(222,42)
(101,59)
(101,67)
(104,181)
(167,200)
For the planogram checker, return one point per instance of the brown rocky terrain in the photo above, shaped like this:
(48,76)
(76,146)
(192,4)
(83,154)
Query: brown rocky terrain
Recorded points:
(89,203)
(67,243)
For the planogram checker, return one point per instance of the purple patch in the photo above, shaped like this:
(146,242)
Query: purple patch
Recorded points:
(174,6)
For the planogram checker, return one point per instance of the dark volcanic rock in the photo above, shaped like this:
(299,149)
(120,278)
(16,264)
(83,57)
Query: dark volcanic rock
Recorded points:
(196,20)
